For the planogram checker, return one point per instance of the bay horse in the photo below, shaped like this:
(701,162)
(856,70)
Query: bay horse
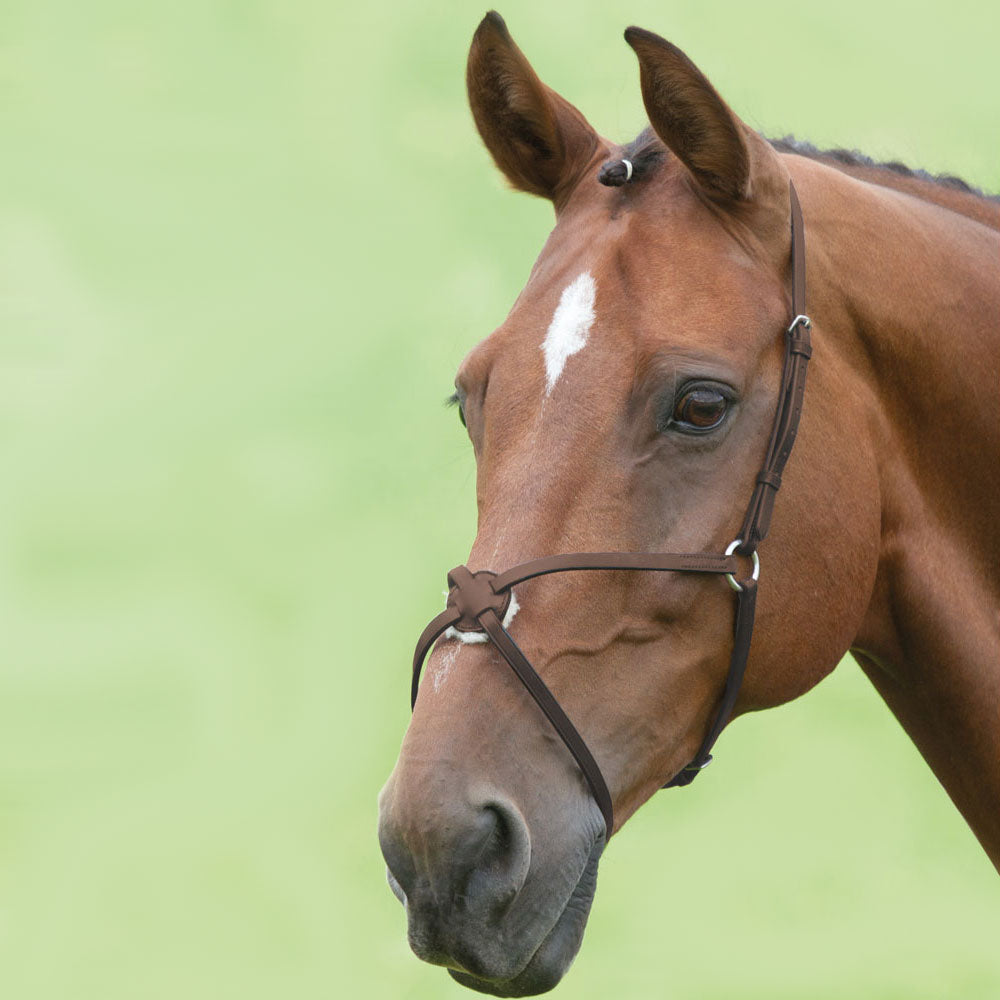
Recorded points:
(625,405)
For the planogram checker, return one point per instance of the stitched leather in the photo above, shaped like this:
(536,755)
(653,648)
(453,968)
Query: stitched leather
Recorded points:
(798,350)
(689,562)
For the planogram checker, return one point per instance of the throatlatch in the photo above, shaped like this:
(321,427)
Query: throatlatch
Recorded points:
(477,602)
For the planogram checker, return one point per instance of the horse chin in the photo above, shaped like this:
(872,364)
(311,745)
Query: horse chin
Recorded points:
(559,947)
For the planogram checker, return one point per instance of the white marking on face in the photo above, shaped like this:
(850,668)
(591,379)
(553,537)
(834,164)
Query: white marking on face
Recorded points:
(443,667)
(570,327)
(471,637)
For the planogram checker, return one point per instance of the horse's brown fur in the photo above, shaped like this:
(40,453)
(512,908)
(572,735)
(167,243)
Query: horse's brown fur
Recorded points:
(885,537)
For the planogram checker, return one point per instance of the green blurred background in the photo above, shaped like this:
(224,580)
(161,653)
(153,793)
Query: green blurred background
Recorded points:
(243,246)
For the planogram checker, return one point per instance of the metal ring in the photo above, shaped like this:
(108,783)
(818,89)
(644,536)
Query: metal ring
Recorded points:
(755,575)
(801,318)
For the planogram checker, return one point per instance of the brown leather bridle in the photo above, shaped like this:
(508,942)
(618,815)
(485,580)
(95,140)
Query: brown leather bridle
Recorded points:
(477,602)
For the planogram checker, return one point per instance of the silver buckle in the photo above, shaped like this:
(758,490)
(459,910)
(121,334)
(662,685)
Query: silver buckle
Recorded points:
(695,766)
(755,575)
(801,318)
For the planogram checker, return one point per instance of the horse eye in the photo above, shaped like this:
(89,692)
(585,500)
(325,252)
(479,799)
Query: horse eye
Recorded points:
(699,409)
(457,399)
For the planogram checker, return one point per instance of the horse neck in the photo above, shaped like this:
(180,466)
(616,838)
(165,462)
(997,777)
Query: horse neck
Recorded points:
(914,293)
(981,208)
(907,294)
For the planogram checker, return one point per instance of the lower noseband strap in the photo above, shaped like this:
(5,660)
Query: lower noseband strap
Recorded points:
(546,701)
(746,604)
(477,602)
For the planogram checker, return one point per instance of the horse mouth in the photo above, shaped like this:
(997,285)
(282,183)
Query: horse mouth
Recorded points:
(554,955)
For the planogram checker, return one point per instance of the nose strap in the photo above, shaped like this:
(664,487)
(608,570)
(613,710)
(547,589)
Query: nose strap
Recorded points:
(471,594)
(746,604)
(478,601)
(474,606)
(546,701)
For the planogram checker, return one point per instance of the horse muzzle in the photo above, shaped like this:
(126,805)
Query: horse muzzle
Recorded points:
(477,901)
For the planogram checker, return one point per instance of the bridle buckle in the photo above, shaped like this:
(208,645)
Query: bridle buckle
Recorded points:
(754,558)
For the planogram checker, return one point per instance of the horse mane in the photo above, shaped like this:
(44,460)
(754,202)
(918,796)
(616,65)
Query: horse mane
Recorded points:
(646,152)
(854,158)
(944,190)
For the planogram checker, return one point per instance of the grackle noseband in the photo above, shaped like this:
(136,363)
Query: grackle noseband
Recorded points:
(478,601)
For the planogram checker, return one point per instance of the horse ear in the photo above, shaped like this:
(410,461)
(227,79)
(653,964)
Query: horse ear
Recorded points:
(538,140)
(727,158)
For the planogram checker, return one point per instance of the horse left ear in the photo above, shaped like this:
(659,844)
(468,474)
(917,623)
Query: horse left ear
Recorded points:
(730,162)
(537,138)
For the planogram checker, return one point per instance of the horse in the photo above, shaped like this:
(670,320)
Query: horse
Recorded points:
(625,405)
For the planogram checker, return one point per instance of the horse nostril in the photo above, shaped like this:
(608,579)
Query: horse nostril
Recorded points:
(400,871)
(500,867)
(474,859)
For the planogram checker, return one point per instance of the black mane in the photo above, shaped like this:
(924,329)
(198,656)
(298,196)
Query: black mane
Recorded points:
(646,151)
(854,158)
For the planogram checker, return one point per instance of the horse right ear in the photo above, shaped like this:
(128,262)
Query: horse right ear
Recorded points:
(730,162)
(539,141)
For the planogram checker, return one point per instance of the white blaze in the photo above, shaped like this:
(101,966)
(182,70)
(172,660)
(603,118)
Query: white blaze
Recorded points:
(570,327)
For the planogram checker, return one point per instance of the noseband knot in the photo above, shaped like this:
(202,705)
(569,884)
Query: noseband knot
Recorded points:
(472,594)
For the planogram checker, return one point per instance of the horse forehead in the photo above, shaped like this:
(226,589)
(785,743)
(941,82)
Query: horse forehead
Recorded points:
(555,332)
(682,257)
(614,287)
(628,302)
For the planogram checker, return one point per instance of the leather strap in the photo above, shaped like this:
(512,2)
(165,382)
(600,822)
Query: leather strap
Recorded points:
(798,253)
(746,604)
(687,562)
(469,596)
(428,637)
(553,712)
(798,350)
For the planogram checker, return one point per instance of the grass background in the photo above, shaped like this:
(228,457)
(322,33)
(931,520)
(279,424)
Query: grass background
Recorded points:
(243,246)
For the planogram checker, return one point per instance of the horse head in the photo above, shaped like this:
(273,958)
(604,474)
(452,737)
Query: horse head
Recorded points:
(624,404)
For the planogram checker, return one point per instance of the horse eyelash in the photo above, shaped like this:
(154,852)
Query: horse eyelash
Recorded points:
(455,400)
